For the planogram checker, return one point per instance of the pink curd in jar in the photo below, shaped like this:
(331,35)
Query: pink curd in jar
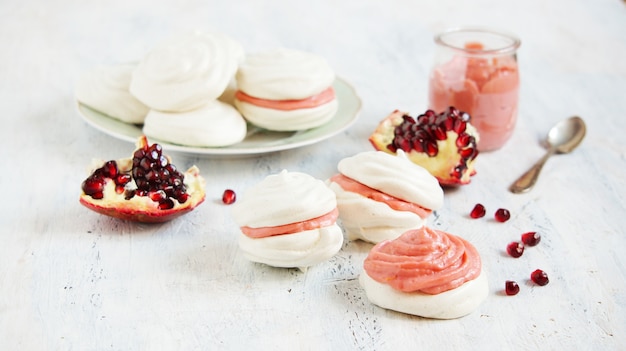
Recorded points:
(485,87)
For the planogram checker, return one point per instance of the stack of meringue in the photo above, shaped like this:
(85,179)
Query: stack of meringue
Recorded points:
(380,195)
(288,220)
(173,91)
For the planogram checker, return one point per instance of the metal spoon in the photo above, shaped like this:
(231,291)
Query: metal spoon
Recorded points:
(564,137)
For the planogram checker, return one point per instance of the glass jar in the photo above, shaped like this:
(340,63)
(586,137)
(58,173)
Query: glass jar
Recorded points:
(476,71)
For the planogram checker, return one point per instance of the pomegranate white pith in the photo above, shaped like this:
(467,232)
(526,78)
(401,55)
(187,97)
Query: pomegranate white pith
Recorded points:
(145,188)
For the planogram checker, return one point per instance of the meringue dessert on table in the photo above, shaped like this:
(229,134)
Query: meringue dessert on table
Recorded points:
(288,220)
(181,80)
(214,124)
(286,90)
(105,89)
(186,71)
(381,195)
(427,273)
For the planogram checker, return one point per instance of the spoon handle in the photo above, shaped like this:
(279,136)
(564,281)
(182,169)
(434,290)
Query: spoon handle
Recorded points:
(528,179)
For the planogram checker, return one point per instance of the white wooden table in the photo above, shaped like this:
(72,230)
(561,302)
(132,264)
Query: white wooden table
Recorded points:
(74,280)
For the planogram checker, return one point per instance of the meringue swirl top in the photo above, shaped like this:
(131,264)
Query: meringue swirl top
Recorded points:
(395,175)
(185,71)
(283,198)
(425,260)
(284,74)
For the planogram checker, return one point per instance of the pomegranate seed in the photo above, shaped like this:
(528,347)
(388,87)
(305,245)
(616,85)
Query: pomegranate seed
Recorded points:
(502,215)
(182,198)
(98,195)
(478,211)
(145,163)
(110,169)
(229,196)
(157,196)
(93,185)
(166,204)
(515,249)
(122,179)
(539,277)
(511,288)
(531,238)
(463,140)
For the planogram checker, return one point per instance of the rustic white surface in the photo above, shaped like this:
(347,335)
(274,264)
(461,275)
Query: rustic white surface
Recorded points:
(71,279)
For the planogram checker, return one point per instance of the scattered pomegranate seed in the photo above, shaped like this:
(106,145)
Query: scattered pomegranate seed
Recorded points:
(515,249)
(511,288)
(539,277)
(531,238)
(229,196)
(478,211)
(502,215)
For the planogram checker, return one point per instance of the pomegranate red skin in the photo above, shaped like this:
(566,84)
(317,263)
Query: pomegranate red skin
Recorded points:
(135,215)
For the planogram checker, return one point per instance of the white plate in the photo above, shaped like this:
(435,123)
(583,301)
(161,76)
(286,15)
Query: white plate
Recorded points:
(257,141)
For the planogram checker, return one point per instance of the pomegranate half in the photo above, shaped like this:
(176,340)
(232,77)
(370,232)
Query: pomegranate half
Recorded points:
(444,143)
(144,188)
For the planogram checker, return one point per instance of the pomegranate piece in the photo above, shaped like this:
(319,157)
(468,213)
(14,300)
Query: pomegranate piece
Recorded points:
(478,211)
(515,249)
(531,238)
(539,277)
(145,187)
(229,197)
(511,287)
(444,143)
(502,215)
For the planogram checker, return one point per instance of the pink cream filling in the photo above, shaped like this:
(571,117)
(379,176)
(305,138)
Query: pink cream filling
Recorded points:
(423,260)
(315,223)
(352,185)
(322,98)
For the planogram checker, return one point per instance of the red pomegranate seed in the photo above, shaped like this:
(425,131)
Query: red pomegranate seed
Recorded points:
(110,169)
(511,288)
(157,196)
(94,185)
(229,196)
(502,215)
(531,238)
(166,204)
(515,249)
(539,277)
(478,211)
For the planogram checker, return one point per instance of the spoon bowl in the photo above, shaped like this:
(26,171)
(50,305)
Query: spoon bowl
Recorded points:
(562,138)
(566,135)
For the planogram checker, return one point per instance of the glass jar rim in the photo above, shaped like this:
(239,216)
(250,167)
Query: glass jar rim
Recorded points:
(513,41)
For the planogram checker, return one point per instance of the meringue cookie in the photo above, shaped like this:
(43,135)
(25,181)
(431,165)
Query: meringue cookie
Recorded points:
(214,124)
(283,198)
(396,177)
(299,205)
(282,121)
(286,90)
(303,249)
(186,71)
(284,74)
(370,220)
(106,89)
(451,304)
(425,272)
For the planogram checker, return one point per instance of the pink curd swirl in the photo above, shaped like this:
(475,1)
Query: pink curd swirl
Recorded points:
(322,98)
(424,260)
